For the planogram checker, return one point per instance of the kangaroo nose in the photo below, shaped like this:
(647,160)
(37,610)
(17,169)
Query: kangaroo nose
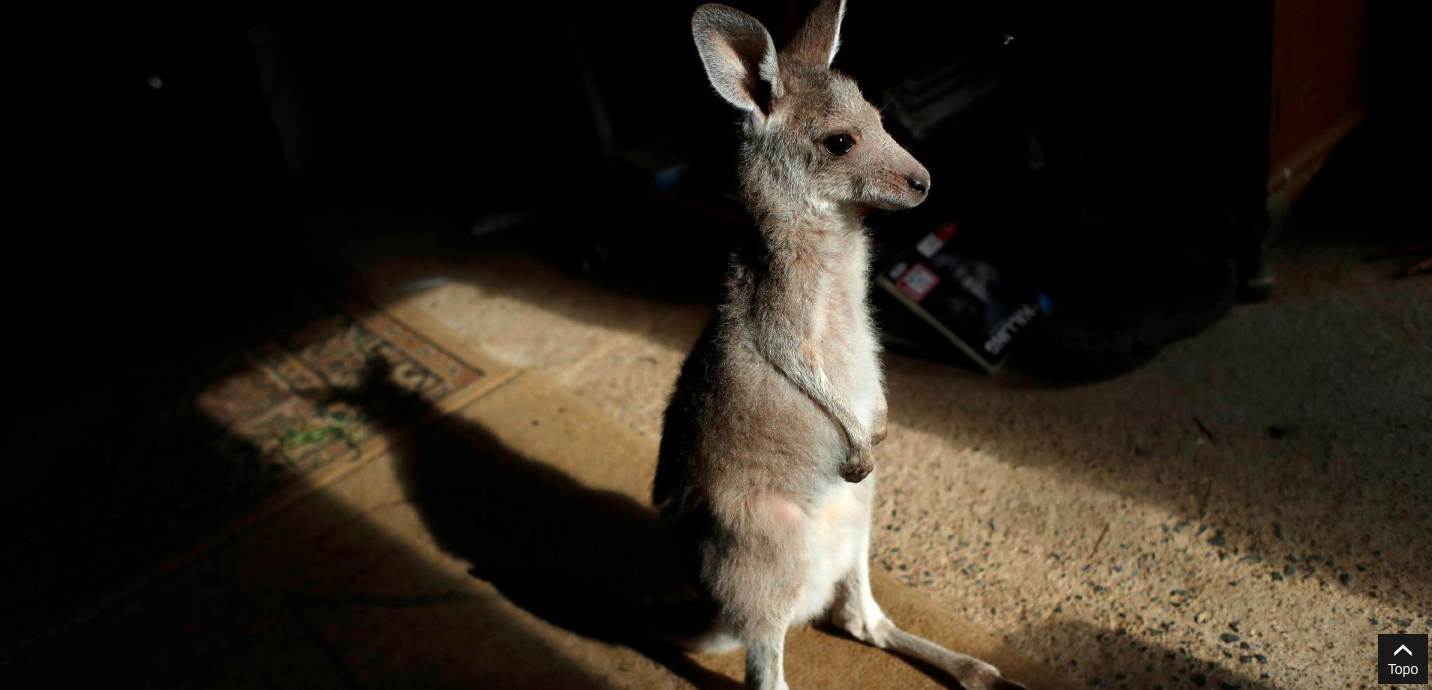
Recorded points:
(918,184)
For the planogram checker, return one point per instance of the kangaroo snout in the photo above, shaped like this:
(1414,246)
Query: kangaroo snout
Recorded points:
(901,182)
(910,187)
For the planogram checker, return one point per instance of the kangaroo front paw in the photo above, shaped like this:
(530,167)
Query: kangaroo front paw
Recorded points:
(856,470)
(859,463)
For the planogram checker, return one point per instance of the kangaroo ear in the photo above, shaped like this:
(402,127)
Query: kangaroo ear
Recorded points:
(739,56)
(819,38)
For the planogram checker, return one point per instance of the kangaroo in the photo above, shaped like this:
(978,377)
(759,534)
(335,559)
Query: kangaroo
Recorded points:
(766,471)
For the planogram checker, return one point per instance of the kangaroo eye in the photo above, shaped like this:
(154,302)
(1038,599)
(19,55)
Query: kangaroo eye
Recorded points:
(839,144)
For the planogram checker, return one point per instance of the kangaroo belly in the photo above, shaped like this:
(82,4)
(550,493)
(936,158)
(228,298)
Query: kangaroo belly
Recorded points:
(836,541)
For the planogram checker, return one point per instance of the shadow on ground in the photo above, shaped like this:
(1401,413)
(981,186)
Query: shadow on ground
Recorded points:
(577,557)
(1118,663)
(363,610)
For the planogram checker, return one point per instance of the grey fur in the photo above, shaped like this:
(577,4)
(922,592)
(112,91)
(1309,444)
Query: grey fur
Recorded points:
(766,471)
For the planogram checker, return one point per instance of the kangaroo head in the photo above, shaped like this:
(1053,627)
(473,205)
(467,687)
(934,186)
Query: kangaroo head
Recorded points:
(810,141)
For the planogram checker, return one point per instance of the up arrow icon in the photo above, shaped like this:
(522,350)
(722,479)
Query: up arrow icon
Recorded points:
(1401,659)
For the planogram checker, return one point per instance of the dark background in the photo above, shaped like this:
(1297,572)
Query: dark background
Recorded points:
(1151,124)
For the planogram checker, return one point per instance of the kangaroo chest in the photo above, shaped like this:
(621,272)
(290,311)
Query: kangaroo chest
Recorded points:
(847,345)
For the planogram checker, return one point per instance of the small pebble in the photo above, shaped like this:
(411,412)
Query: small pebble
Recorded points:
(1346,579)
(1229,638)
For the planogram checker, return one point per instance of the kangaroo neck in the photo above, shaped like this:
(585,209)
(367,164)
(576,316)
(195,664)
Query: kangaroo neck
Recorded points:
(812,258)
(830,240)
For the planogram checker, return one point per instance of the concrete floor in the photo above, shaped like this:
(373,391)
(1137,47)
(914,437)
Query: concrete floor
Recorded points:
(1248,510)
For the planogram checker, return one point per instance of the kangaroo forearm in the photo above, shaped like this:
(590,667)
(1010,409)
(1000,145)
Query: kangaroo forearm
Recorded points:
(808,376)
(789,312)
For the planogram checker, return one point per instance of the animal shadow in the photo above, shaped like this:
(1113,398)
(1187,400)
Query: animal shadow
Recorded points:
(584,559)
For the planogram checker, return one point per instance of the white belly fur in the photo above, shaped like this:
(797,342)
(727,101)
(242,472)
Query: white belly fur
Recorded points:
(837,540)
